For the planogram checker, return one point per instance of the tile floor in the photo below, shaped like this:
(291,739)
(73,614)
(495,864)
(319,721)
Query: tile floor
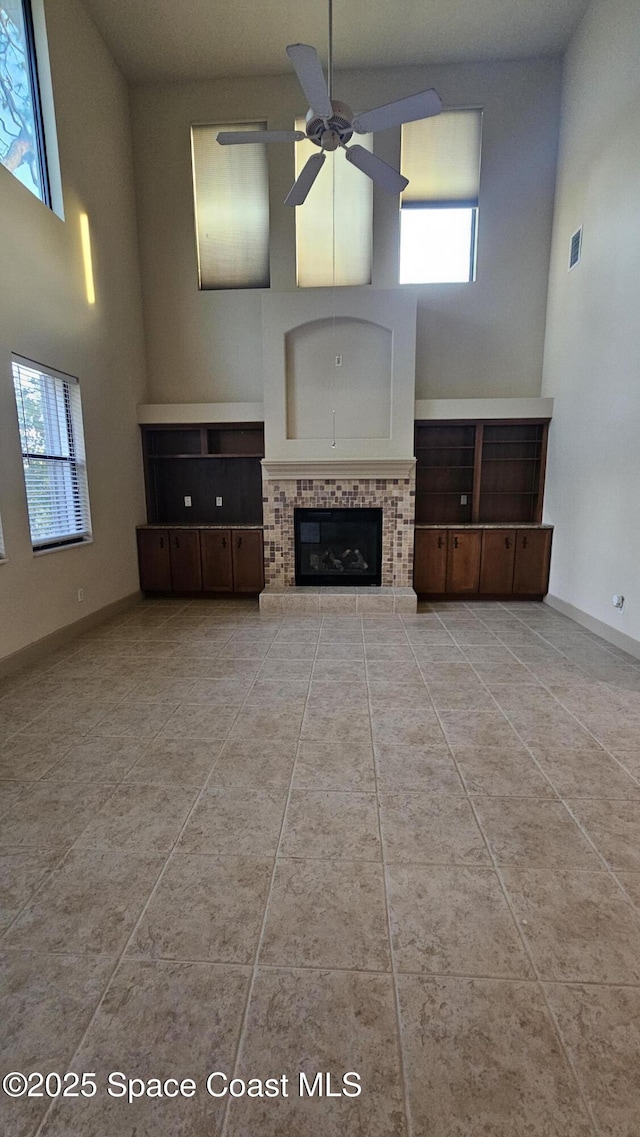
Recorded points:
(403,846)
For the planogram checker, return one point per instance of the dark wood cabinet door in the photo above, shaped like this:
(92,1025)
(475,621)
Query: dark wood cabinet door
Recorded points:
(496,563)
(186,573)
(463,560)
(217,567)
(533,554)
(248,562)
(430,560)
(153,560)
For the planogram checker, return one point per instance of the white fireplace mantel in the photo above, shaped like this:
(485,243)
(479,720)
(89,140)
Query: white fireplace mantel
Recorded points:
(375,468)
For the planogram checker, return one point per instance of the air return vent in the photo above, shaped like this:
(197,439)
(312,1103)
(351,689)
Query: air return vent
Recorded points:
(575,248)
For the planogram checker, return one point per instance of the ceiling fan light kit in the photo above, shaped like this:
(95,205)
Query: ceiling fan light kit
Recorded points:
(330,124)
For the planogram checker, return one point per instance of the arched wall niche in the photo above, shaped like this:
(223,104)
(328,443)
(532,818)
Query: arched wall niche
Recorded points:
(357,390)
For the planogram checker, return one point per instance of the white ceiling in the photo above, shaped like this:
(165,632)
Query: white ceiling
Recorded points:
(157,40)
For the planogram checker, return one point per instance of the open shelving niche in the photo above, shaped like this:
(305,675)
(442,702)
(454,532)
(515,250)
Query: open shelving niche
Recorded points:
(498,467)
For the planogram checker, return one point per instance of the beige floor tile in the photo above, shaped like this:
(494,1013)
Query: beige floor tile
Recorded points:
(430,770)
(283,670)
(45,1006)
(460,697)
(334,766)
(614,828)
(134,719)
(447,920)
(210,999)
(223,693)
(482,1057)
(21,871)
(349,651)
(618,732)
(251,764)
(578,925)
(332,726)
(101,759)
(88,905)
(419,828)
(266,723)
(477,728)
(631,883)
(199,720)
(10,793)
(586,773)
(528,831)
(338,671)
(140,817)
(273,694)
(348,929)
(235,821)
(53,814)
(160,689)
(206,908)
(601,1029)
(330,1021)
(29,759)
(175,761)
(501,772)
(342,826)
(415,726)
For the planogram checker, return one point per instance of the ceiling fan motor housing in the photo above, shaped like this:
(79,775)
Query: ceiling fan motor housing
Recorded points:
(333,133)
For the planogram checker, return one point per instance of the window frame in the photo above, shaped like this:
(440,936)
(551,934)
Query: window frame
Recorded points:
(432,207)
(36,105)
(76,466)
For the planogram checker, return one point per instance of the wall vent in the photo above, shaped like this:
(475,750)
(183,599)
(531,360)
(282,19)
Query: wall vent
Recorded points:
(575,249)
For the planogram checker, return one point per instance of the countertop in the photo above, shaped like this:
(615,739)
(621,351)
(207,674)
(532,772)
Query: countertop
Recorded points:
(484,525)
(197,525)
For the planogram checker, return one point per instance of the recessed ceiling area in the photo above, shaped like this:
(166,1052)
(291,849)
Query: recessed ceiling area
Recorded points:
(157,40)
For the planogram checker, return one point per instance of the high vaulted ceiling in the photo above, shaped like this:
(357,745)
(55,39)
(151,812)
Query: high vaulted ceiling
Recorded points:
(157,40)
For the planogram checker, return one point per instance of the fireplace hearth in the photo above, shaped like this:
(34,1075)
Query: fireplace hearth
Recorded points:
(338,547)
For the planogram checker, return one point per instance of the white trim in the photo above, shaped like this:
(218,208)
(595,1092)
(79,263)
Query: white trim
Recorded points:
(611,635)
(483,408)
(64,545)
(152,413)
(294,469)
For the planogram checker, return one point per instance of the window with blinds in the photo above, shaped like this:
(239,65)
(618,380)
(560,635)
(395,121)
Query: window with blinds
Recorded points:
(52,439)
(231,194)
(439,207)
(337,217)
(2,555)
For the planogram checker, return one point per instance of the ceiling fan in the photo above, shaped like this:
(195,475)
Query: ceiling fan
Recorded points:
(331,124)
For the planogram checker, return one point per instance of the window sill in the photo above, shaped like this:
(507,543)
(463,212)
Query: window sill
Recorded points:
(63,548)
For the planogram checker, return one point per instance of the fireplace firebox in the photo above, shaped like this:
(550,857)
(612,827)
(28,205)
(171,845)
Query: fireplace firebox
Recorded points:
(338,547)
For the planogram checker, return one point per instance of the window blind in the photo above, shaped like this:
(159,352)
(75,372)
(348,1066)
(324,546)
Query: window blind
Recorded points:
(231,192)
(441,159)
(353,217)
(53,456)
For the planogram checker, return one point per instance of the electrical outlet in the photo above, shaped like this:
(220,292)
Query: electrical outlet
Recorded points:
(338,361)
(187,500)
(463,498)
(618,602)
(218,501)
(80,595)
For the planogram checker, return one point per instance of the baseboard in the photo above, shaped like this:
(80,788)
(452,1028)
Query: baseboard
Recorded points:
(618,639)
(39,649)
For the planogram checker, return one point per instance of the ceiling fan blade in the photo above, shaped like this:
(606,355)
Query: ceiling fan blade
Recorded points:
(245,137)
(424,104)
(311,77)
(380,173)
(300,188)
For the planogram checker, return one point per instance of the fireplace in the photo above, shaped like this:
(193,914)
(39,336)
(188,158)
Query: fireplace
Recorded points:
(338,547)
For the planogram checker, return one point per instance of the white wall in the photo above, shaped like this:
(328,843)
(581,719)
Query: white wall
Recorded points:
(44,315)
(473,340)
(592,358)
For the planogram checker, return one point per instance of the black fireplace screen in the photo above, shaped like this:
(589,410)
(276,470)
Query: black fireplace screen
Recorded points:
(338,547)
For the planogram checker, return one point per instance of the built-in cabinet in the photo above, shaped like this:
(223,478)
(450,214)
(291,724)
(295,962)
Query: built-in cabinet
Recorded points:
(471,477)
(198,561)
(483,562)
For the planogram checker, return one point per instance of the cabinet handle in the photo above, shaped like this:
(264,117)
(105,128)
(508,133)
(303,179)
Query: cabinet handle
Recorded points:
(177,545)
(524,541)
(506,543)
(440,541)
(162,542)
(455,542)
(239,542)
(224,542)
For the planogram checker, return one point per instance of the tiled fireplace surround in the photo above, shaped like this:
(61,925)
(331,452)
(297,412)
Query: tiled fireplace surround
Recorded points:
(396,498)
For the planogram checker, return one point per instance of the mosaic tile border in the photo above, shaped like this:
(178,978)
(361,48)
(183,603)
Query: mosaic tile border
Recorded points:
(395,496)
